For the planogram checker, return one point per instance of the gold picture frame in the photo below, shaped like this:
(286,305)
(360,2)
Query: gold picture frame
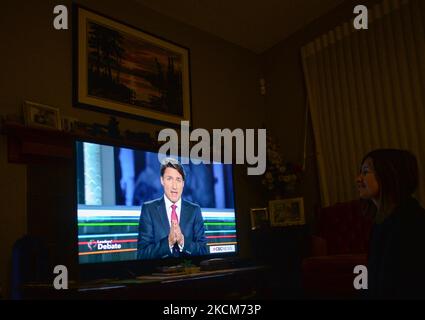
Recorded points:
(259,217)
(123,70)
(41,116)
(287,212)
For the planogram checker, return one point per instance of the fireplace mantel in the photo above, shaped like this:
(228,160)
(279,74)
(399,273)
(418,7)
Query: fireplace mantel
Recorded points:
(31,145)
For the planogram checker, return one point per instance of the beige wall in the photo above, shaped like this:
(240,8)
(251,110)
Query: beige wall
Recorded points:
(286,97)
(12,210)
(37,66)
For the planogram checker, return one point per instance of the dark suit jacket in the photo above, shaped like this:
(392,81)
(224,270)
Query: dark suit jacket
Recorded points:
(154,229)
(396,267)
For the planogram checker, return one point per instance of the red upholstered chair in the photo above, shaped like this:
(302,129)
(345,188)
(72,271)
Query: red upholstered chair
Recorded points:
(340,243)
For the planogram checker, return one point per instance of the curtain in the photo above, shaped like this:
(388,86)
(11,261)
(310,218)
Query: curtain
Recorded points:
(366,90)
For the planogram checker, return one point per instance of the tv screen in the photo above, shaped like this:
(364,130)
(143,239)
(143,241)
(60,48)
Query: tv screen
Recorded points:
(113,183)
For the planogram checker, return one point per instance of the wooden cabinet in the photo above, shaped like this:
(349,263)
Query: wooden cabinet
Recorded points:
(281,248)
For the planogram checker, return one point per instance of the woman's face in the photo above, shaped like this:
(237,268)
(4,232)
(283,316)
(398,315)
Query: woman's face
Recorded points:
(367,184)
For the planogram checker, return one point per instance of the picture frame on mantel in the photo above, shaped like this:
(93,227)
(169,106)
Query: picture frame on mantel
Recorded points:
(41,116)
(259,218)
(123,70)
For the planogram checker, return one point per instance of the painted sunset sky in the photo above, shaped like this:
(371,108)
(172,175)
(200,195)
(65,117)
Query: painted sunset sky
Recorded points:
(138,59)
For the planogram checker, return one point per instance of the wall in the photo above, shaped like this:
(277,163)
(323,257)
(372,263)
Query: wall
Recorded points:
(286,97)
(12,211)
(38,66)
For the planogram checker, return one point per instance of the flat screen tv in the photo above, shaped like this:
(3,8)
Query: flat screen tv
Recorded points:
(112,183)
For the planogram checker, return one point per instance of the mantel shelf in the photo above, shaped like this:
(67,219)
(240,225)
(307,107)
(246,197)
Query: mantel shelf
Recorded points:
(38,145)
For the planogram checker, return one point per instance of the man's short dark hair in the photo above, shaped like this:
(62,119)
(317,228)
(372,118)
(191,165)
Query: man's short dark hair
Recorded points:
(172,163)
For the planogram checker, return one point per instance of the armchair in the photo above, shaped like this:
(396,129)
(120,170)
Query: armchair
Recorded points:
(340,243)
(30,263)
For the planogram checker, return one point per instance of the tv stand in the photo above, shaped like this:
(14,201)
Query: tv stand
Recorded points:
(233,283)
(215,264)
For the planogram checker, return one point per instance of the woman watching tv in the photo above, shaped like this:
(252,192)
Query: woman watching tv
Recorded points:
(396,261)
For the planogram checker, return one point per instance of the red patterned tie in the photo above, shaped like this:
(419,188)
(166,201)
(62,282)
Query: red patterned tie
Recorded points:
(174,214)
(174,217)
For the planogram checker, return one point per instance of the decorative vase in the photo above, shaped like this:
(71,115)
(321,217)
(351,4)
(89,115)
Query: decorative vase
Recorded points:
(278,196)
(275,195)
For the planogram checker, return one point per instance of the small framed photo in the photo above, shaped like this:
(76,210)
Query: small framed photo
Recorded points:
(259,218)
(69,124)
(39,115)
(287,212)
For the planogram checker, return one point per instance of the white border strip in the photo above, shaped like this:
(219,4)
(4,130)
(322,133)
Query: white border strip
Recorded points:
(217,214)
(107,213)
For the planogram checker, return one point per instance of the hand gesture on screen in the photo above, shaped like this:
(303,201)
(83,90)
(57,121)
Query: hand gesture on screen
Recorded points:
(178,235)
(172,239)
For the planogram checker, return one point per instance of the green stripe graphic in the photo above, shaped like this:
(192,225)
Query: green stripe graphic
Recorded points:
(107,224)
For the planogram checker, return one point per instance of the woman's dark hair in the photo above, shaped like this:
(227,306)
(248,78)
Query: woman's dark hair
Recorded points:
(172,163)
(397,174)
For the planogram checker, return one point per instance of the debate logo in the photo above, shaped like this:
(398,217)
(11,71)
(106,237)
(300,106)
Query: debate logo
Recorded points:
(103,245)
(92,244)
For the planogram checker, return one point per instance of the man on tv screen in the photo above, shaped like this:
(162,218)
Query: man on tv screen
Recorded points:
(170,226)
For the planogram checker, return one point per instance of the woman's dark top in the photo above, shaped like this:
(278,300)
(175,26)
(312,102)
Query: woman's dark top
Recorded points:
(396,263)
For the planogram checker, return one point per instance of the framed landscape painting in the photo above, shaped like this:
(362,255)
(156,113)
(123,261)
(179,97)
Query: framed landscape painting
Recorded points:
(126,71)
